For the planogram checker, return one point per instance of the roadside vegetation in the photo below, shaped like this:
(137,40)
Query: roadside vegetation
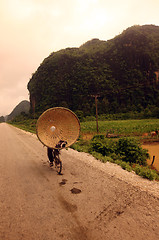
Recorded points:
(126,152)
(118,141)
(24,121)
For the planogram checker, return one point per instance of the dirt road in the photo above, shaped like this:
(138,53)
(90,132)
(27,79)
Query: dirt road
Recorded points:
(38,204)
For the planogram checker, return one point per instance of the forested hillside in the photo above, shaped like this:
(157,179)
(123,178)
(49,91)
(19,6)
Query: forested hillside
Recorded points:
(122,72)
(22,107)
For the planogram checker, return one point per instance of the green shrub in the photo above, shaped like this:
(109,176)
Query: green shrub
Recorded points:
(125,149)
(131,151)
(115,156)
(81,146)
(124,165)
(146,172)
(98,137)
(105,147)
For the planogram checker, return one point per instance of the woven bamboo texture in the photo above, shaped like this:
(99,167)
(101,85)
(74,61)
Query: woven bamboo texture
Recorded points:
(57,124)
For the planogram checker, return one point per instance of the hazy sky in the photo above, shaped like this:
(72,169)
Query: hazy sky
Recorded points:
(32,29)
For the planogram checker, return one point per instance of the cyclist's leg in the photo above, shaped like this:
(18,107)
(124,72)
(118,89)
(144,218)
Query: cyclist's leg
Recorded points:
(50,155)
(58,162)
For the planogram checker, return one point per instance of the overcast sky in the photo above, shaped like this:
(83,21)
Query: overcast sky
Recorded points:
(32,29)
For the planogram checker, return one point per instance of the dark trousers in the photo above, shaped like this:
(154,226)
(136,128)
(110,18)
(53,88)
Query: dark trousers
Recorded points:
(50,154)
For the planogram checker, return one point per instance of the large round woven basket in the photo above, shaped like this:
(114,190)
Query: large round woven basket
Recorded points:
(57,124)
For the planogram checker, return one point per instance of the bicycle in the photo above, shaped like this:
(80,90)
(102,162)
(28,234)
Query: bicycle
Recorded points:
(54,155)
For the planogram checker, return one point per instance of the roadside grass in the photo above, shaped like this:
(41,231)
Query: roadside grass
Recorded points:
(120,128)
(28,125)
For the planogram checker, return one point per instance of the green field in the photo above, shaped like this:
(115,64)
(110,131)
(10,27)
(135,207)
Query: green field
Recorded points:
(119,127)
(122,126)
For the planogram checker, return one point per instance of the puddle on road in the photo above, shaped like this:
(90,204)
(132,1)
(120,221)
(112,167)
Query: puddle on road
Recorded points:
(75,191)
(63,182)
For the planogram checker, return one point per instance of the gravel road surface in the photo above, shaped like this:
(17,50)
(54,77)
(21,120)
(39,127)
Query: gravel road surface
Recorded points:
(90,201)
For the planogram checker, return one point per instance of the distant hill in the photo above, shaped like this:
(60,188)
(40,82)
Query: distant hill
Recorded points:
(123,72)
(2,119)
(23,106)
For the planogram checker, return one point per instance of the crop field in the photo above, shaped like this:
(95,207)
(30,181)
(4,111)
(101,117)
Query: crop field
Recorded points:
(117,127)
(121,127)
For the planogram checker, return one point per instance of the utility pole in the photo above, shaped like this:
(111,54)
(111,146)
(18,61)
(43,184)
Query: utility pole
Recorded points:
(96,104)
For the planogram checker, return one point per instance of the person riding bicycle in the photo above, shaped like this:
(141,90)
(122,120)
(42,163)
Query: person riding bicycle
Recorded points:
(53,153)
